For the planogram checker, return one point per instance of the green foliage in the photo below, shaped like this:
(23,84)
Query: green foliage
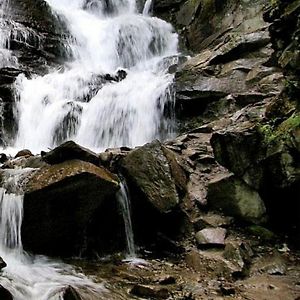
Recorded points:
(281,133)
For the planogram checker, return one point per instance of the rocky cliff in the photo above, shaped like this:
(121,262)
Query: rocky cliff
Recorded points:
(218,204)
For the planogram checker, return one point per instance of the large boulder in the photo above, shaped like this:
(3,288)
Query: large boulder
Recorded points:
(235,198)
(157,184)
(153,170)
(59,204)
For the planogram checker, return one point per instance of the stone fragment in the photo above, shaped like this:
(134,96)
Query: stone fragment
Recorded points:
(211,237)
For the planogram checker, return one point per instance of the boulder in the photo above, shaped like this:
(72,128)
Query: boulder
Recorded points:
(25,152)
(151,292)
(154,172)
(5,294)
(3,158)
(60,202)
(70,150)
(235,198)
(211,237)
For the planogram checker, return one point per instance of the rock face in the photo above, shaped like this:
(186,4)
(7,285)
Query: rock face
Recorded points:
(60,201)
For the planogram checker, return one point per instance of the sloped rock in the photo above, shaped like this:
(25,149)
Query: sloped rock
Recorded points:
(70,150)
(59,203)
(151,172)
(211,237)
(237,199)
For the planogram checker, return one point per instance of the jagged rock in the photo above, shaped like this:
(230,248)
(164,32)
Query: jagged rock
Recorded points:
(70,150)
(235,198)
(239,253)
(2,263)
(211,237)
(154,172)
(211,220)
(150,292)
(3,158)
(60,202)
(5,294)
(69,293)
(24,152)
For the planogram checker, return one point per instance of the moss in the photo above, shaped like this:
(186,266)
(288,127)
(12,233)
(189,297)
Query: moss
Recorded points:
(281,133)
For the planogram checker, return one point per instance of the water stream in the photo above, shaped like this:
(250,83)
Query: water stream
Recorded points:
(76,103)
(32,277)
(124,201)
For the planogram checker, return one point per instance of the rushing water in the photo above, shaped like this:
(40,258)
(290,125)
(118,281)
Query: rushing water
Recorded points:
(124,201)
(30,277)
(76,103)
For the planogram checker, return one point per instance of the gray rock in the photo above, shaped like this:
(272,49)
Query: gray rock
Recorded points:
(211,237)
(237,199)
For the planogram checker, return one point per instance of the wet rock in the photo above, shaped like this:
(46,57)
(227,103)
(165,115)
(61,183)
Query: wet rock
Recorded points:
(69,293)
(24,152)
(70,150)
(60,202)
(237,199)
(3,158)
(2,263)
(166,280)
(154,172)
(5,294)
(211,237)
(150,292)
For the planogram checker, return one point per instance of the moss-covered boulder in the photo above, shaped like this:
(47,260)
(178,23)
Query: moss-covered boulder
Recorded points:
(235,198)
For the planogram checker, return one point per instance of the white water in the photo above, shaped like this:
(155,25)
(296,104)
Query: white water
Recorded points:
(32,277)
(124,201)
(59,106)
(54,108)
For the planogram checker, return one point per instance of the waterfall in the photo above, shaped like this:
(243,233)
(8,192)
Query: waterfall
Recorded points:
(147,7)
(77,102)
(32,277)
(124,201)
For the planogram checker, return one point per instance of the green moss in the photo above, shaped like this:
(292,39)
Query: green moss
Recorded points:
(276,134)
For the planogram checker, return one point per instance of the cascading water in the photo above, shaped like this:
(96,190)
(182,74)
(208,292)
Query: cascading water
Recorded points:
(32,277)
(124,201)
(77,103)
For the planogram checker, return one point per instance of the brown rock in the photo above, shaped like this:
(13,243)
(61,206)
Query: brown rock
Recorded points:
(211,237)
